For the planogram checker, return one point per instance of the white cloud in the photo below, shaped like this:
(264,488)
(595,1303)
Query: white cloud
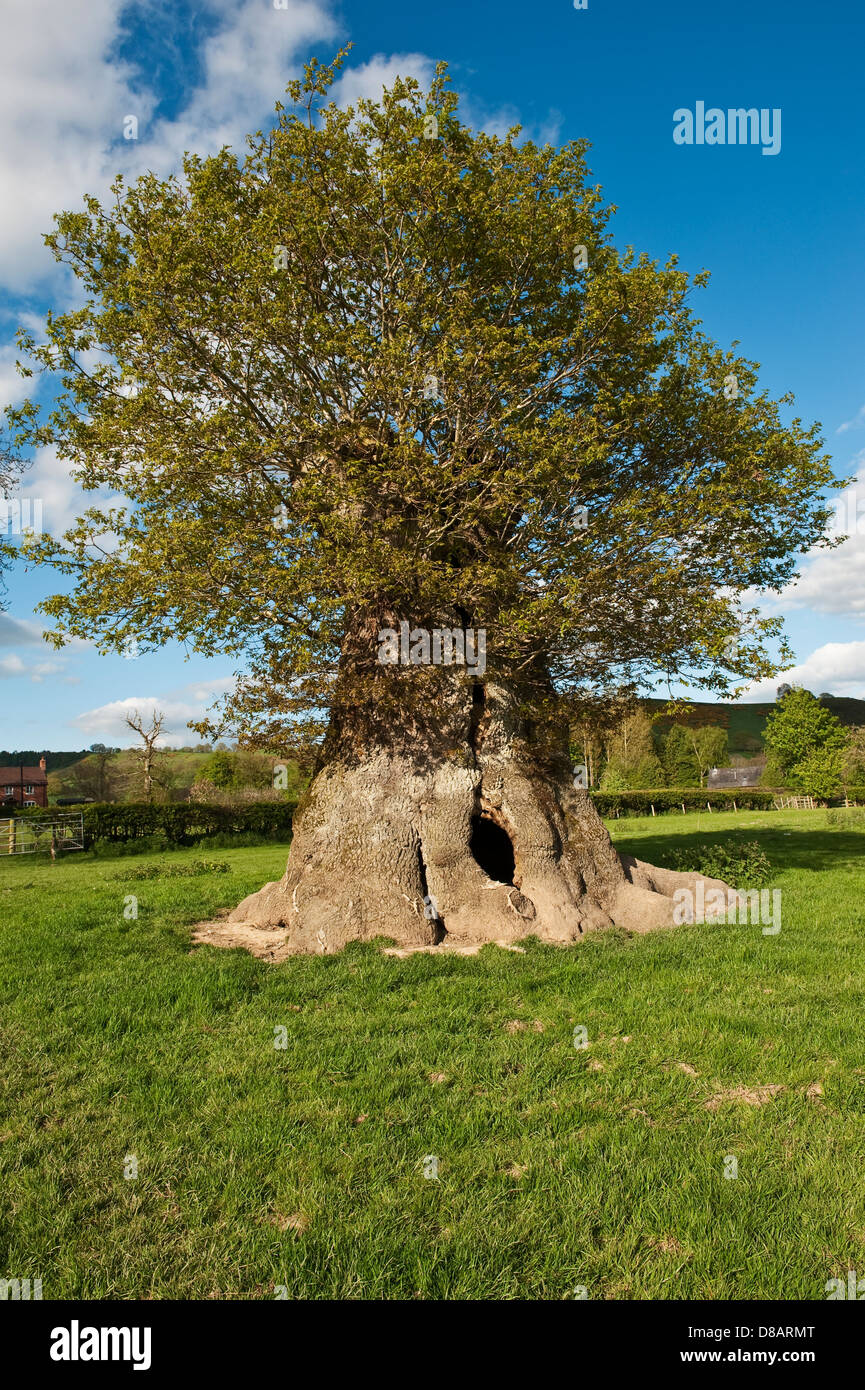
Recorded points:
(246,65)
(837,667)
(107,723)
(18,636)
(13,665)
(60,100)
(64,95)
(204,692)
(500,120)
(368,79)
(833,581)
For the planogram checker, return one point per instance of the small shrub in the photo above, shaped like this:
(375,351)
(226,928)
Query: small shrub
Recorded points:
(740,865)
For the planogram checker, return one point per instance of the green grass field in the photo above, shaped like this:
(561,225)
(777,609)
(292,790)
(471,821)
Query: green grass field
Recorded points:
(558,1167)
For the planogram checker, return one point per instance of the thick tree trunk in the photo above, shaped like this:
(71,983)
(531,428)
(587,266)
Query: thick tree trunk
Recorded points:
(454,826)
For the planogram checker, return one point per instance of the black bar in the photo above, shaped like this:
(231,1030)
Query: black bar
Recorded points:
(582,1337)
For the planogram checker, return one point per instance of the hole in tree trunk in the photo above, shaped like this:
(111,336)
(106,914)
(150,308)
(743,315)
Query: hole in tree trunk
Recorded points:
(492,849)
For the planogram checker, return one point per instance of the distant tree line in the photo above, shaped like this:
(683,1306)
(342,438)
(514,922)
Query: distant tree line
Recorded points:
(807,749)
(627,751)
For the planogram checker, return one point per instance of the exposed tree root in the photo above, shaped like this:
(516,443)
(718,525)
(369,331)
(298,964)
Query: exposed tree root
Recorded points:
(482,849)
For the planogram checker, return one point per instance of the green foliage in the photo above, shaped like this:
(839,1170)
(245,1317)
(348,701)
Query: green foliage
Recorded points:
(358,372)
(56,760)
(256,772)
(629,749)
(613,778)
(155,843)
(820,773)
(680,763)
(854,755)
(221,770)
(237,839)
(800,727)
(739,864)
(645,770)
(689,751)
(773,773)
(116,777)
(710,749)
(622,750)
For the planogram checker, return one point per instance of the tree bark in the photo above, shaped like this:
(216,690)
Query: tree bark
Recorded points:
(449,820)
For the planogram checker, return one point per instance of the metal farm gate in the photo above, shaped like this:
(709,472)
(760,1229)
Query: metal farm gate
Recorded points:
(23,835)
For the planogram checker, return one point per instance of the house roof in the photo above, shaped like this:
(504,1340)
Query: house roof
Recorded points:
(14,774)
(735,776)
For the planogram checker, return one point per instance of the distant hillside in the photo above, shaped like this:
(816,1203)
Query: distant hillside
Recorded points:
(744,723)
(93,777)
(848,710)
(31,756)
(117,776)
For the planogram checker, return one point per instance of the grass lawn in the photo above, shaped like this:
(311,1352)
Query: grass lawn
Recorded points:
(558,1167)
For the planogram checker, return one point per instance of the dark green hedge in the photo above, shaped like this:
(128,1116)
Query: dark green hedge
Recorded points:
(187,822)
(640,803)
(181,824)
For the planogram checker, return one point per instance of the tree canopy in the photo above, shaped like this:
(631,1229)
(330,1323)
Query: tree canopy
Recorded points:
(383,364)
(807,743)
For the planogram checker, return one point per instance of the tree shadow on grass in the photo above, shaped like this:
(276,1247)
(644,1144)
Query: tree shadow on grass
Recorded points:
(817,850)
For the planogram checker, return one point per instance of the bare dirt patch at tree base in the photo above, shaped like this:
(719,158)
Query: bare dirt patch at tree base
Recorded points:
(271,943)
(267,943)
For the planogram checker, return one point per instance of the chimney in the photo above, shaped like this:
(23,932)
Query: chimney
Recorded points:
(42,763)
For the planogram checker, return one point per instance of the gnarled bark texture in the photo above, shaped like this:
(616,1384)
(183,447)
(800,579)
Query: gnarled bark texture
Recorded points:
(454,827)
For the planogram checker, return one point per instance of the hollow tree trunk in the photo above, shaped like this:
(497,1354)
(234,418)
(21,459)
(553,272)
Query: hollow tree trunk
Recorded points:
(446,819)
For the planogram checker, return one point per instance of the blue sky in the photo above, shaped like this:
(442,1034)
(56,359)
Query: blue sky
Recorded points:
(783,234)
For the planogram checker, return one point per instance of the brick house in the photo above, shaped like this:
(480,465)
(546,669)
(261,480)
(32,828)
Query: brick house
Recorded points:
(24,786)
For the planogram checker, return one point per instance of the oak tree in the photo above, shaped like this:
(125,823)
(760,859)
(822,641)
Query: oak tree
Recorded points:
(384,369)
